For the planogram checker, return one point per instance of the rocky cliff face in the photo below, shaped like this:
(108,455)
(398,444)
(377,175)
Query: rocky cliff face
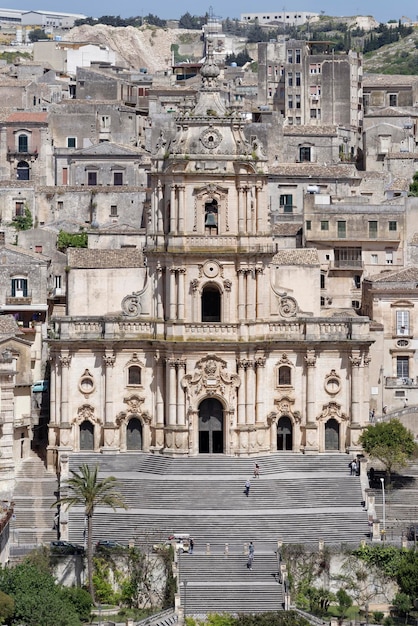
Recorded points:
(148,46)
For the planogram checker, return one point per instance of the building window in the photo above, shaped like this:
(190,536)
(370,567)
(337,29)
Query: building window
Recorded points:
(38,249)
(290,56)
(22,170)
(393,226)
(297,56)
(19,287)
(92,178)
(285,375)
(393,99)
(298,101)
(286,202)
(211,304)
(117,178)
(402,323)
(312,114)
(297,79)
(113,210)
(290,102)
(60,205)
(402,366)
(373,229)
(57,281)
(324,225)
(19,209)
(374,259)
(322,281)
(71,142)
(341,229)
(290,79)
(23,143)
(304,154)
(308,224)
(298,120)
(348,257)
(357,281)
(389,257)
(134,375)
(211,217)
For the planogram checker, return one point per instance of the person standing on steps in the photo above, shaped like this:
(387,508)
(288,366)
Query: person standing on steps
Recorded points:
(256,471)
(250,556)
(247,487)
(191,545)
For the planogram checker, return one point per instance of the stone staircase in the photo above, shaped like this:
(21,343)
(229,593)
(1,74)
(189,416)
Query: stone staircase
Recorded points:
(208,582)
(298,498)
(401,507)
(33,496)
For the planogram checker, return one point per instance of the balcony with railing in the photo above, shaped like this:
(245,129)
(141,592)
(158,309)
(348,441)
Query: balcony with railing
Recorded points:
(19,297)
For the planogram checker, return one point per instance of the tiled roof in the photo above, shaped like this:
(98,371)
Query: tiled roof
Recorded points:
(287,228)
(28,117)
(313,170)
(8,325)
(399,184)
(309,130)
(405,275)
(306,256)
(86,258)
(390,80)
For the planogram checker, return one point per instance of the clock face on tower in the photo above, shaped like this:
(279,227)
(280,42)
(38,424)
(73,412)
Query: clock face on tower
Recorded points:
(211,138)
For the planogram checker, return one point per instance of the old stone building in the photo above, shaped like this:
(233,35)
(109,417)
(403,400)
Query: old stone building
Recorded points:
(206,337)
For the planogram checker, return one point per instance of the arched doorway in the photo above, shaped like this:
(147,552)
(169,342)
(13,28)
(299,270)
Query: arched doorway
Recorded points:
(332,435)
(22,170)
(284,434)
(211,427)
(211,304)
(134,434)
(86,435)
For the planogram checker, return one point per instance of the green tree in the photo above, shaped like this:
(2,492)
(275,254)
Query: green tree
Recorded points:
(345,602)
(37,598)
(7,607)
(80,599)
(71,240)
(407,573)
(85,489)
(37,34)
(403,605)
(413,187)
(23,222)
(389,442)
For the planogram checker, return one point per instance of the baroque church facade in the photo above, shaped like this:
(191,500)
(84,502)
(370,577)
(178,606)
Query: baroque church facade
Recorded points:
(205,338)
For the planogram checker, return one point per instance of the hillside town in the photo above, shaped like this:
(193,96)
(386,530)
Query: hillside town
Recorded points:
(201,260)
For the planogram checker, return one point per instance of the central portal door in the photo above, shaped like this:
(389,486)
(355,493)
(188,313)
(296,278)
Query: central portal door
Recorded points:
(211,427)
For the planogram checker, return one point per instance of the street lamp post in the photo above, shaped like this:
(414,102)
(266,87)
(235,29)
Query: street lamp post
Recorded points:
(382,480)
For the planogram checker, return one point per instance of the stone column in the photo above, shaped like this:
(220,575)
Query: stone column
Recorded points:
(109,361)
(181,204)
(259,292)
(53,391)
(260,363)
(194,284)
(365,409)
(181,294)
(242,364)
(159,291)
(173,210)
(159,211)
(250,392)
(248,210)
(241,211)
(159,389)
(310,360)
(258,211)
(181,398)
(65,360)
(172,293)
(241,294)
(251,294)
(355,360)
(171,400)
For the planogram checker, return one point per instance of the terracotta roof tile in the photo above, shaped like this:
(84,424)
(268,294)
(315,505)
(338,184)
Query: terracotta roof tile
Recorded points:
(27,117)
(86,258)
(306,256)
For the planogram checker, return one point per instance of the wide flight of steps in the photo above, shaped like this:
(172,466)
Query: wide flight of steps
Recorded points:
(208,582)
(401,500)
(33,496)
(297,499)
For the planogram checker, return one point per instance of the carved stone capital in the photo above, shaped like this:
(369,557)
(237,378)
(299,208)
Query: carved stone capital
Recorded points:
(310,358)
(65,360)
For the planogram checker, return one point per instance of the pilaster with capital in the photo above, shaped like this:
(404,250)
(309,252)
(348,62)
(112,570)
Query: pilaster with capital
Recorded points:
(242,372)
(259,271)
(65,361)
(171,386)
(250,392)
(355,360)
(108,362)
(241,293)
(310,360)
(181,294)
(172,292)
(181,397)
(173,210)
(251,294)
(259,363)
(241,210)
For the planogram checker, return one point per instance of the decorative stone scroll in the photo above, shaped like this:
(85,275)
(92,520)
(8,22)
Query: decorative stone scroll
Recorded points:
(210,378)
(131,305)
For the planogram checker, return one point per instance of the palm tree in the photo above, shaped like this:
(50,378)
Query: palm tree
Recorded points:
(85,489)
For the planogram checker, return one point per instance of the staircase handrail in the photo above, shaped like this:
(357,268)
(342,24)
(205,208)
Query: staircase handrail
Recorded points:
(156,618)
(312,619)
